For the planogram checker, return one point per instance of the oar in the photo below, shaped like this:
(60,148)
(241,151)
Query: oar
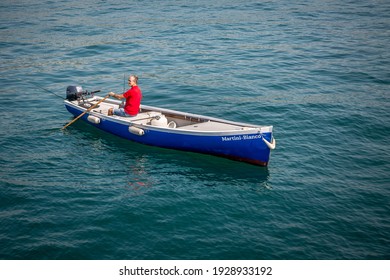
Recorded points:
(89,109)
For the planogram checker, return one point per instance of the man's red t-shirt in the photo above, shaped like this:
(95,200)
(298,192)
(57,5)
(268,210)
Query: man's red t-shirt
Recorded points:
(133,100)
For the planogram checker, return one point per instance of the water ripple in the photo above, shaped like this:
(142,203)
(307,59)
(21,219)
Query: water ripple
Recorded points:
(317,71)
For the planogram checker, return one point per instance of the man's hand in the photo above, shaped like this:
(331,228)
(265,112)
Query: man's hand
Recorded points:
(111,94)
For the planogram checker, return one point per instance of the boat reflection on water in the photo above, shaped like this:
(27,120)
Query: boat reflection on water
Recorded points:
(140,169)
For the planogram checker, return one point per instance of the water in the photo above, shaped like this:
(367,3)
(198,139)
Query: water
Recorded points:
(318,71)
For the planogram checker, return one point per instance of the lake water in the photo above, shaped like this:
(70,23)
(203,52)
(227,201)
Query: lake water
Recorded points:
(318,71)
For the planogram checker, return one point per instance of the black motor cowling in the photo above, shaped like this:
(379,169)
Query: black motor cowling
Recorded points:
(74,92)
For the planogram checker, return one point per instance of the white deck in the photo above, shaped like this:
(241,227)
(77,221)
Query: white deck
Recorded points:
(211,126)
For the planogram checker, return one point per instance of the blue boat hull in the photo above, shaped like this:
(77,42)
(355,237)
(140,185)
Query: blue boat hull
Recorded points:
(250,148)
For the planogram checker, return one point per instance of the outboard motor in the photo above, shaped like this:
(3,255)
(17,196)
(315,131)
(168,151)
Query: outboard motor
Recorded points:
(74,92)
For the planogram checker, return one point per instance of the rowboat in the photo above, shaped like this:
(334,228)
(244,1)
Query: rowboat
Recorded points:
(175,129)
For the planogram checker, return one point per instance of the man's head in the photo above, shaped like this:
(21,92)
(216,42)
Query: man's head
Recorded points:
(133,80)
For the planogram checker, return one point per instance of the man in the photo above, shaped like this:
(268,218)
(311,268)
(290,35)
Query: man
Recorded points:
(133,100)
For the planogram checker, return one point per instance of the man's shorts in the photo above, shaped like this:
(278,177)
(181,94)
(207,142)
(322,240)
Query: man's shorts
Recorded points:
(121,112)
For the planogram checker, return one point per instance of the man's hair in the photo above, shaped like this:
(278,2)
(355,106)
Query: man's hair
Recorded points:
(135,78)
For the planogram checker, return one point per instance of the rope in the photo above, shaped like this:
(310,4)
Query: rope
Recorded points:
(49,91)
(272,145)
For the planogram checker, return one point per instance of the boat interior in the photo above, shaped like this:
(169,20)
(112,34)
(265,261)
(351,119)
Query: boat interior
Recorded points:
(164,118)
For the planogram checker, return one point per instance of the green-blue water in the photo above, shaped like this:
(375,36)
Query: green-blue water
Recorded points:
(318,71)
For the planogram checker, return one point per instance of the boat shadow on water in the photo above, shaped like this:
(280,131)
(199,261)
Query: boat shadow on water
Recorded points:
(147,162)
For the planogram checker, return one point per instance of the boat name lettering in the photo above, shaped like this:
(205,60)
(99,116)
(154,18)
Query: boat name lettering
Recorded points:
(239,138)
(232,138)
(250,137)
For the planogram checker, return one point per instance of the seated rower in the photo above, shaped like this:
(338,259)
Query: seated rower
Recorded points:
(133,100)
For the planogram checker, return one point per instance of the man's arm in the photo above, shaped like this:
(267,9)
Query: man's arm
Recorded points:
(117,96)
